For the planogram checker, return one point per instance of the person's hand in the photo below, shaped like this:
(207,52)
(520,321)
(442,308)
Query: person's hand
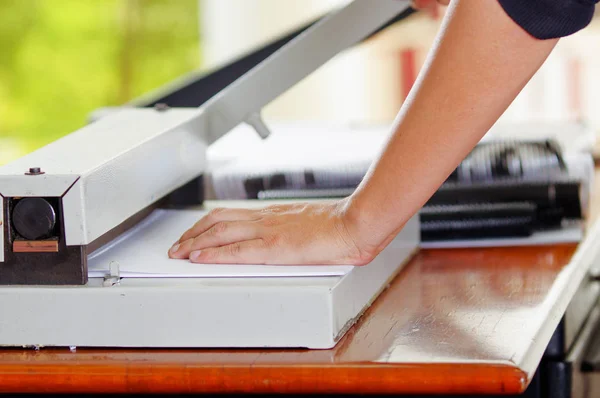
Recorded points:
(300,234)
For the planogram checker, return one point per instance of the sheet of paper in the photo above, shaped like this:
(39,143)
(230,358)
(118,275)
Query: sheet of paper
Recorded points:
(296,156)
(142,252)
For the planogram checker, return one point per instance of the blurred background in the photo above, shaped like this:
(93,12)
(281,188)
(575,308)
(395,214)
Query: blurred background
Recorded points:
(62,59)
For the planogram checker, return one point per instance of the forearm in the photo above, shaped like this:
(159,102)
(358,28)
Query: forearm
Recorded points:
(479,64)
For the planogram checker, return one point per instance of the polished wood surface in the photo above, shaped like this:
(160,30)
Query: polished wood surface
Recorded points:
(453,321)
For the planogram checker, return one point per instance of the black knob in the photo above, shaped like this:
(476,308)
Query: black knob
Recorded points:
(34,218)
(34,171)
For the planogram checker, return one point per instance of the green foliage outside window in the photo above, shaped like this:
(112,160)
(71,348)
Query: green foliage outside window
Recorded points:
(61,59)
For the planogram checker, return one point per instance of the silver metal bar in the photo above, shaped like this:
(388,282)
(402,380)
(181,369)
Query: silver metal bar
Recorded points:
(296,60)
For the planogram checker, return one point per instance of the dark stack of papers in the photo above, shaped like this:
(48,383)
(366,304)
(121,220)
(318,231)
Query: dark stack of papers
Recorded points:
(504,189)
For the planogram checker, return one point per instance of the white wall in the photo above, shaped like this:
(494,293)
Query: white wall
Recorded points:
(364,84)
(360,85)
(232,27)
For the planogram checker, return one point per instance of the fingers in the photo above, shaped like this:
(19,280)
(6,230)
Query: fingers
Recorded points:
(220,234)
(247,252)
(215,216)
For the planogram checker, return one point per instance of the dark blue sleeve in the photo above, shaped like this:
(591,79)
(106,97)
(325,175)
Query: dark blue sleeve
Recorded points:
(550,19)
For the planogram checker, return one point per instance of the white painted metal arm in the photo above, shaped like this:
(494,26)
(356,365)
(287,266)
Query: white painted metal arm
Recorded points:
(299,58)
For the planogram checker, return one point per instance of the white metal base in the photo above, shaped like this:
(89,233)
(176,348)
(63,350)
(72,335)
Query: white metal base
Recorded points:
(311,312)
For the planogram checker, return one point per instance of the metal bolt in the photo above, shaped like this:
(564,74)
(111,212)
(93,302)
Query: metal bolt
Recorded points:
(34,171)
(161,107)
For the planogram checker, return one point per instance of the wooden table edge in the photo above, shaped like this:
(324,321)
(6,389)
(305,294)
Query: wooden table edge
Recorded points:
(361,378)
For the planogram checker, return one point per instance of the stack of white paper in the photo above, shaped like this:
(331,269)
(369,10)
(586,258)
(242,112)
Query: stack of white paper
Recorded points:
(142,253)
(305,155)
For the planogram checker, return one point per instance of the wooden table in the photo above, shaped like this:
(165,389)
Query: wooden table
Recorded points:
(453,321)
